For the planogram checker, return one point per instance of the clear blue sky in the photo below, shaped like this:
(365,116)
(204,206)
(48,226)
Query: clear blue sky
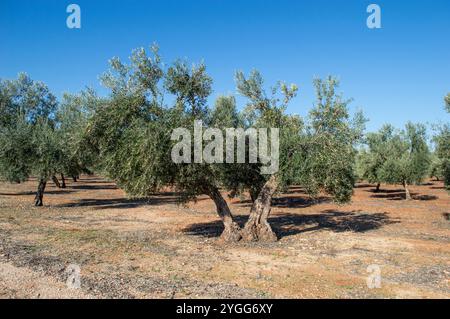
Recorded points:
(395,74)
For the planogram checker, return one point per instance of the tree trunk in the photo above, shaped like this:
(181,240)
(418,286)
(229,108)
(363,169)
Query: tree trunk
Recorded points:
(253,195)
(407,193)
(55,180)
(63,181)
(231,232)
(40,192)
(74,178)
(378,188)
(257,227)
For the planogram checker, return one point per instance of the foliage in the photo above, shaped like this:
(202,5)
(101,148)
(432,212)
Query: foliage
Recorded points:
(127,136)
(442,152)
(27,133)
(409,157)
(329,154)
(72,118)
(371,159)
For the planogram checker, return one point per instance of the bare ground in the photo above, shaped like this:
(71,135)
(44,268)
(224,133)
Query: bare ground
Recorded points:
(156,249)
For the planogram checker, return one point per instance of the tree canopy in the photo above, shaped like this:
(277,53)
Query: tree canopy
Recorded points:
(397,157)
(29,145)
(38,136)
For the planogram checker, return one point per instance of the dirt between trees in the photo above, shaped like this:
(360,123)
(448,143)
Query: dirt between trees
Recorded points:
(128,248)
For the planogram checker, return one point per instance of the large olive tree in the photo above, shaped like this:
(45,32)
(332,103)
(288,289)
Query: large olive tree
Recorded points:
(153,109)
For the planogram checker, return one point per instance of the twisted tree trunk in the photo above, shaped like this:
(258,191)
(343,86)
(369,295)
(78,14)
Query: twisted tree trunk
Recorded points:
(63,181)
(40,192)
(231,232)
(257,227)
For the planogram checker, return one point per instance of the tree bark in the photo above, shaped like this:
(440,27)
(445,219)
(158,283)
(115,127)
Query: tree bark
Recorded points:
(407,193)
(74,178)
(40,192)
(257,227)
(231,232)
(55,180)
(378,188)
(253,195)
(63,181)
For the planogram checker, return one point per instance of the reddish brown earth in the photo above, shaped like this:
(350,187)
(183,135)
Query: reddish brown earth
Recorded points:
(157,249)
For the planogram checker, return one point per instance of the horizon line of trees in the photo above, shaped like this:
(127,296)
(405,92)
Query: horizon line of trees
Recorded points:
(126,136)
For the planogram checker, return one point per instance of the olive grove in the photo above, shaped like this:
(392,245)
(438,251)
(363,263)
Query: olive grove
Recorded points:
(152,109)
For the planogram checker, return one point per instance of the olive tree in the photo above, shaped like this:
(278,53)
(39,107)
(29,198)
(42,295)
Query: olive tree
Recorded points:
(28,141)
(408,158)
(135,134)
(436,167)
(372,158)
(318,156)
(72,117)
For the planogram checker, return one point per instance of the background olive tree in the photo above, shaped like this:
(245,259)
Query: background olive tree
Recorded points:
(372,158)
(29,144)
(408,158)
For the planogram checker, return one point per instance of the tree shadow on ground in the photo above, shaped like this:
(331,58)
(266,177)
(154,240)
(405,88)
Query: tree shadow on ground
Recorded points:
(89,181)
(289,202)
(299,201)
(364,186)
(31,193)
(123,203)
(93,187)
(426,184)
(288,224)
(399,194)
(425,197)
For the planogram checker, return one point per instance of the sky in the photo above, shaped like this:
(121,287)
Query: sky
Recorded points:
(395,74)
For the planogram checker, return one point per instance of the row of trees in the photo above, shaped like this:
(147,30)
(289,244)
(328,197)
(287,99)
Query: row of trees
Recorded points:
(127,137)
(403,157)
(39,136)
